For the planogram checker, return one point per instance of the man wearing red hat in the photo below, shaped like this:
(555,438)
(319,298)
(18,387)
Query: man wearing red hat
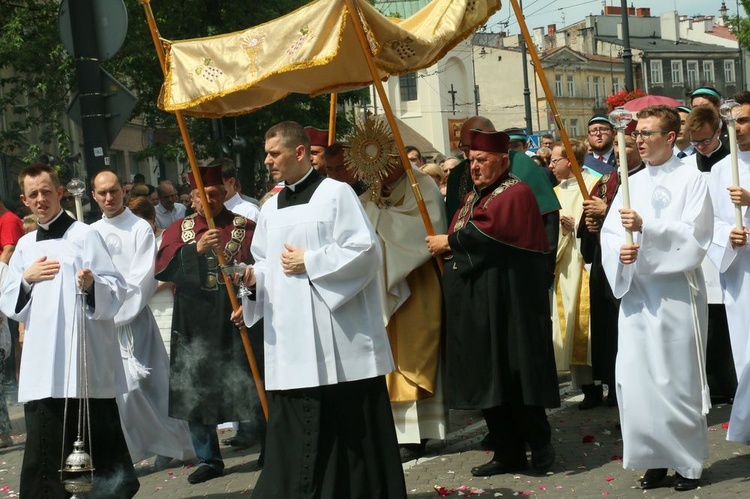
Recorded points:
(318,143)
(210,380)
(499,357)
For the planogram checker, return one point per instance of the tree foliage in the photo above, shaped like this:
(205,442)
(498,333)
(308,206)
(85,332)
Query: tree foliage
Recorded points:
(38,78)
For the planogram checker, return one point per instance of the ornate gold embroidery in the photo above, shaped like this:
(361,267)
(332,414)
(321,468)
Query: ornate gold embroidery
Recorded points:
(188,234)
(238,235)
(509,182)
(462,215)
(252,42)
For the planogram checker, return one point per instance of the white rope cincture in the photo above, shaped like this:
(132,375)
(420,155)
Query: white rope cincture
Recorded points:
(136,369)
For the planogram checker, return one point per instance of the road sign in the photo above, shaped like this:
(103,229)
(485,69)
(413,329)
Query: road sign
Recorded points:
(110,26)
(119,103)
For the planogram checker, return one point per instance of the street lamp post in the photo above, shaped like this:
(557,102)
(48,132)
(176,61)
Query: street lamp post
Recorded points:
(526,91)
(627,56)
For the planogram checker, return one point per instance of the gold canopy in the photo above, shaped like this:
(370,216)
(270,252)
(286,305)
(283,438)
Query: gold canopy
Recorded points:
(312,50)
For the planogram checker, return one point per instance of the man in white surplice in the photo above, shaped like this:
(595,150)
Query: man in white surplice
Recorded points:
(663,318)
(731,254)
(330,427)
(143,409)
(47,267)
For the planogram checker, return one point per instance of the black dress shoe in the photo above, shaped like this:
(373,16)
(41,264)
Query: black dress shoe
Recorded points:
(592,396)
(204,473)
(410,452)
(682,484)
(653,478)
(493,467)
(543,459)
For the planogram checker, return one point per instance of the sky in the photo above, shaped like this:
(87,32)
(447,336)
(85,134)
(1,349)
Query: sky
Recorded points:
(540,13)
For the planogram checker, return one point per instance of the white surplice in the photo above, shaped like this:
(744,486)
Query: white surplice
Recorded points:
(398,224)
(143,409)
(660,367)
(237,205)
(51,317)
(734,268)
(323,326)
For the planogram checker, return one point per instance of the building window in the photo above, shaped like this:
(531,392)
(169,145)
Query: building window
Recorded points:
(729,76)
(692,74)
(573,130)
(615,84)
(408,86)
(677,78)
(558,86)
(571,86)
(708,72)
(656,75)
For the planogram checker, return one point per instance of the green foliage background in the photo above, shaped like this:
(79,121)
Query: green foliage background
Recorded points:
(38,78)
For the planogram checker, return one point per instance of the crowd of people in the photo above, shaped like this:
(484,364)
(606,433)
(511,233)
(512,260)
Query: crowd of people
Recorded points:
(367,330)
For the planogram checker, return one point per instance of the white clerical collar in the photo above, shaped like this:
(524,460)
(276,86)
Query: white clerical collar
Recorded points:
(294,185)
(711,153)
(45,226)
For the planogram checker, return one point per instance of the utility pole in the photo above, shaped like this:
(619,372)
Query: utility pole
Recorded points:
(88,75)
(627,55)
(526,91)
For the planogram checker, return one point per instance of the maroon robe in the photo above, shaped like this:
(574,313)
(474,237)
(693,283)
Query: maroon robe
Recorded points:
(210,379)
(499,332)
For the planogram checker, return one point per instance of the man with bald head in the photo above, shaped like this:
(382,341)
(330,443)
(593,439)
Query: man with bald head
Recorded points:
(143,409)
(168,210)
(499,354)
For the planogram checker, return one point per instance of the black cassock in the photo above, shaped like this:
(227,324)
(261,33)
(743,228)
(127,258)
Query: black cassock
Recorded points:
(210,380)
(499,332)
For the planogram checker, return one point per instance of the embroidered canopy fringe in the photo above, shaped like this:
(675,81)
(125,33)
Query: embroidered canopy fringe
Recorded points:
(240,72)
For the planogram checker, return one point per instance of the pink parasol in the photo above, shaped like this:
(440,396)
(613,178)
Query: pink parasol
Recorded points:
(636,105)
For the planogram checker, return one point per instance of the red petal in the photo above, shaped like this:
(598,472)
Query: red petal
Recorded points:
(610,478)
(588,439)
(725,426)
(616,458)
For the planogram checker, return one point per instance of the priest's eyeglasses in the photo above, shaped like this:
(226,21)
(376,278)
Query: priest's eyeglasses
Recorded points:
(645,133)
(554,161)
(705,142)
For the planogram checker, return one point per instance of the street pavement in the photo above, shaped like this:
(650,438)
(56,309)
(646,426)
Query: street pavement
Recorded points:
(588,464)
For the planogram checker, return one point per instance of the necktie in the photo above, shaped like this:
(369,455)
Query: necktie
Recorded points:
(681,154)
(601,158)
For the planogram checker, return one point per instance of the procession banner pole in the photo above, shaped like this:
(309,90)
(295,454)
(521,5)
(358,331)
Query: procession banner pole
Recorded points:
(575,167)
(357,23)
(332,119)
(209,217)
(726,110)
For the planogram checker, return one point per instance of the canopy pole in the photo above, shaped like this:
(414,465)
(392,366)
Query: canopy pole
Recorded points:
(332,119)
(209,217)
(357,23)
(575,167)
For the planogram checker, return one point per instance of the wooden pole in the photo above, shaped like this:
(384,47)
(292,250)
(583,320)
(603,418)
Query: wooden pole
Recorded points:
(357,23)
(575,167)
(332,120)
(209,217)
